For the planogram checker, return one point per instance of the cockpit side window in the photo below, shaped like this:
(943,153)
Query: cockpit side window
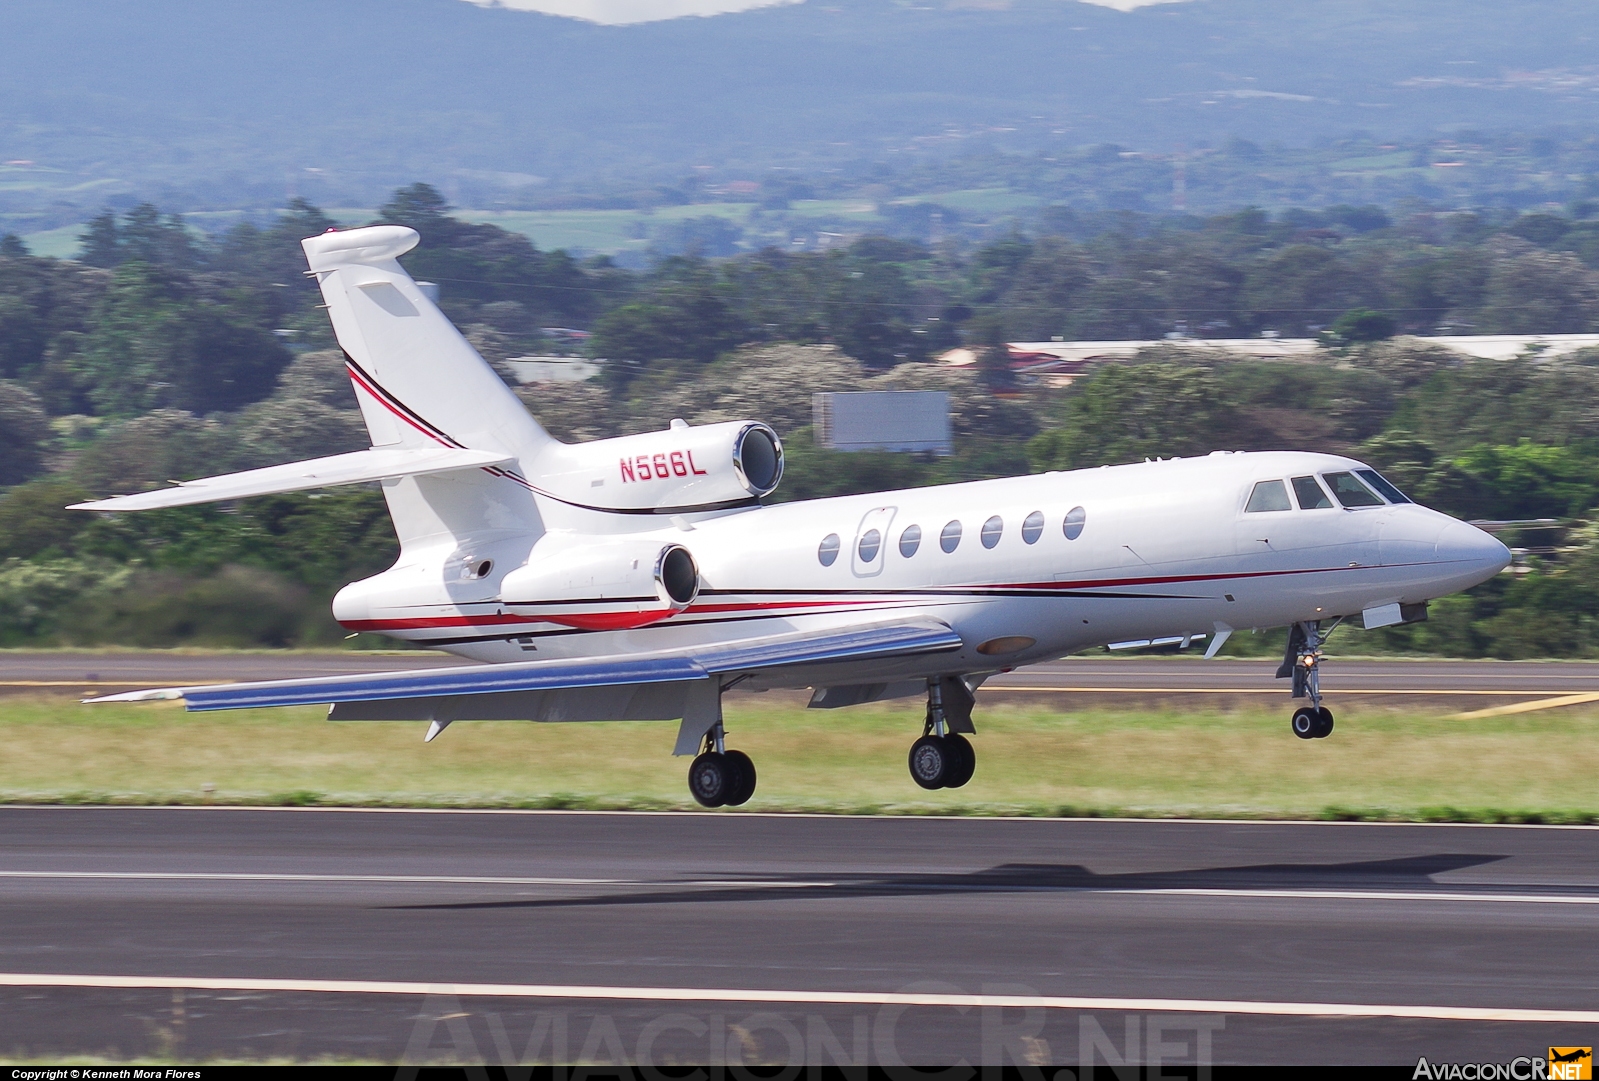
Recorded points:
(1268,495)
(1350,492)
(1310,495)
(1379,482)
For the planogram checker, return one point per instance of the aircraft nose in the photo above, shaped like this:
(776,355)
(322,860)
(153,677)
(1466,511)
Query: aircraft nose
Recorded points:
(1467,546)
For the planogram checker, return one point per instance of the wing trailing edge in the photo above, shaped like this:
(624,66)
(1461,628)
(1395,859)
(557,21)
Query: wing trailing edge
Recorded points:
(881,640)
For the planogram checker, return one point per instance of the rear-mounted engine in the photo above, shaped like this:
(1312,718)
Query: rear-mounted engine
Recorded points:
(684,468)
(603,584)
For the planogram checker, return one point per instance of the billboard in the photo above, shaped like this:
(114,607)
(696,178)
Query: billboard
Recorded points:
(912,420)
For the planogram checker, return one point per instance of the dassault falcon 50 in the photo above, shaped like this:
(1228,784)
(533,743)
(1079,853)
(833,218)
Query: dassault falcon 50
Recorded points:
(641,577)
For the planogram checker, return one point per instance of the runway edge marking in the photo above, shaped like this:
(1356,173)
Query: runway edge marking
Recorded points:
(837,998)
(1529,707)
(734,816)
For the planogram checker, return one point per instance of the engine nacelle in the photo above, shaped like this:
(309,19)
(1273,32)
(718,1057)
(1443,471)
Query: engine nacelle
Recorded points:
(684,468)
(603,584)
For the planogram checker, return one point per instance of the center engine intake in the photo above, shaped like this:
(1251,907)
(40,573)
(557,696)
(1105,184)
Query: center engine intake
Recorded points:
(681,469)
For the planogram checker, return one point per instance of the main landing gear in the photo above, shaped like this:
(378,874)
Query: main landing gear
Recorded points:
(720,777)
(1302,662)
(943,757)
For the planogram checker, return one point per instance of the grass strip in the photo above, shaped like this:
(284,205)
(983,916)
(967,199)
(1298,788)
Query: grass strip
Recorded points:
(1384,764)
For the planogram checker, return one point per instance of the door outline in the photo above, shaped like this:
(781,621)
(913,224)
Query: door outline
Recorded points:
(878,518)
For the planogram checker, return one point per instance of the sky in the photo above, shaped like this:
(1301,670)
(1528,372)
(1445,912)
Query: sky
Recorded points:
(621,12)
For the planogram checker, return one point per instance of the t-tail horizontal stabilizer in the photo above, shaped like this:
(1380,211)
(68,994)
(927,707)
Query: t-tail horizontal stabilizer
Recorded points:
(355,468)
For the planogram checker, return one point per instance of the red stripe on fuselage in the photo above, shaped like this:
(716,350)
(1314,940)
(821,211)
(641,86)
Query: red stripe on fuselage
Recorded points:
(597,620)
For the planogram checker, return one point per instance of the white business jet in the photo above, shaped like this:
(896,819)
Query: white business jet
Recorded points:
(639,578)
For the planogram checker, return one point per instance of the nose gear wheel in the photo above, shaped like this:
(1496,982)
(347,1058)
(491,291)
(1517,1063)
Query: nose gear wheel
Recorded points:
(1302,662)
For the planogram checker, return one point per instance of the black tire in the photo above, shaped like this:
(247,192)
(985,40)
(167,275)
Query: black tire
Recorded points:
(1324,725)
(711,779)
(1306,722)
(930,762)
(745,786)
(964,762)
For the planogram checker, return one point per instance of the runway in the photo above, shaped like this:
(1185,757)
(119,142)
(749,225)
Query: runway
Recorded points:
(390,936)
(1095,678)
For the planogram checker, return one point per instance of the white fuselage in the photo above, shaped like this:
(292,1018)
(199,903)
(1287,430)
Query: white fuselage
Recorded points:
(1165,548)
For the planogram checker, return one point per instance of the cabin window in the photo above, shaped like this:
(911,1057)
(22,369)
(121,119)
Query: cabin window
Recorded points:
(1073,525)
(992,529)
(1033,527)
(871,541)
(1350,492)
(950,538)
(1268,495)
(827,551)
(910,540)
(1310,495)
(1379,482)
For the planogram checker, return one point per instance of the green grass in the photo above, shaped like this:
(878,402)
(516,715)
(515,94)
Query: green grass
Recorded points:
(1032,761)
(59,243)
(607,231)
(980,201)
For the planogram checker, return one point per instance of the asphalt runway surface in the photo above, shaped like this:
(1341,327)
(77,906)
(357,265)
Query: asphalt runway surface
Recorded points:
(204,933)
(1094,679)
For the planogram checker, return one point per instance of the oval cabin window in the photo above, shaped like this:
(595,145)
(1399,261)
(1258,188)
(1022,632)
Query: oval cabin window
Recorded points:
(1073,526)
(827,551)
(870,543)
(993,529)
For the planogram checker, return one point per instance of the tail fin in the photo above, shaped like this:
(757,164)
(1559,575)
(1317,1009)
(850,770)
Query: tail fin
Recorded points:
(420,384)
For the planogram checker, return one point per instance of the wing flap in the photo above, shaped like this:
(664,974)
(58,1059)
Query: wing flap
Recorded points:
(353,468)
(687,665)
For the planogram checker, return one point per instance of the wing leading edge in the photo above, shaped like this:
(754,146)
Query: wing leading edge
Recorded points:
(630,670)
(379,463)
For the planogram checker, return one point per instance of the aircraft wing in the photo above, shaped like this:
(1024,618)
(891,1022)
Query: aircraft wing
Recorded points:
(882,640)
(352,468)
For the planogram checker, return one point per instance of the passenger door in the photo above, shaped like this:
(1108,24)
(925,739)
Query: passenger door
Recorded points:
(868,554)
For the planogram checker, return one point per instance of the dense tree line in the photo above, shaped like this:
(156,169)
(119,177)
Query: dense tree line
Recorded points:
(163,354)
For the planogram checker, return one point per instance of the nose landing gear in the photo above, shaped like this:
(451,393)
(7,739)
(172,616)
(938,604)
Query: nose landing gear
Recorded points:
(1302,662)
(1312,722)
(943,757)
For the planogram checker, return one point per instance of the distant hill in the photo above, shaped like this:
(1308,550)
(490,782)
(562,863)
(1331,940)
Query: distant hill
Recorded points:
(201,102)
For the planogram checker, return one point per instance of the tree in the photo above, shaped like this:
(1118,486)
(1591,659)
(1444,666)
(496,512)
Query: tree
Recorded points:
(12,247)
(1042,283)
(1297,288)
(99,244)
(1363,325)
(419,206)
(24,433)
(1541,293)
(157,343)
(683,315)
(34,518)
(147,237)
(1128,412)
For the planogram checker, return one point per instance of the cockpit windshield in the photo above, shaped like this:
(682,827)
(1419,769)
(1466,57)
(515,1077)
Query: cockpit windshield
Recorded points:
(1349,490)
(1379,482)
(1310,495)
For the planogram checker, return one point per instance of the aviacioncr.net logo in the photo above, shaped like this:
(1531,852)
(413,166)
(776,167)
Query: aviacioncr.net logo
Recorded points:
(1561,1064)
